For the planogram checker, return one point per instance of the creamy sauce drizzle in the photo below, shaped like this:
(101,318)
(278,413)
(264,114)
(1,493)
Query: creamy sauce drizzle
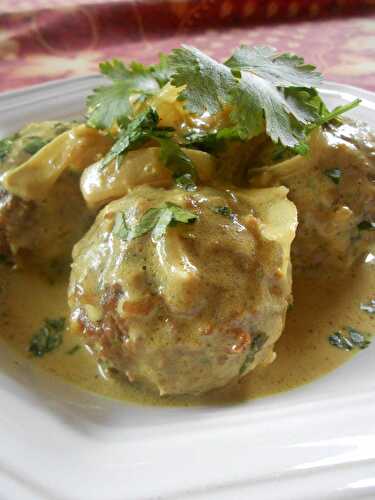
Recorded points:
(324,303)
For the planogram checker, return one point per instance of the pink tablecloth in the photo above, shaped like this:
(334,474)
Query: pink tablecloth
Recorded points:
(42,40)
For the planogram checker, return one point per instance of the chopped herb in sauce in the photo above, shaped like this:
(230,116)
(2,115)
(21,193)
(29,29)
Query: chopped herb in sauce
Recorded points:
(186,182)
(48,338)
(210,142)
(135,133)
(224,211)
(175,158)
(369,307)
(5,260)
(34,144)
(120,228)
(74,349)
(334,174)
(255,346)
(154,219)
(352,340)
(366,225)
(6,145)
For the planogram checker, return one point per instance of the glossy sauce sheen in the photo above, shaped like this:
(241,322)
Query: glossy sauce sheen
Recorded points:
(324,303)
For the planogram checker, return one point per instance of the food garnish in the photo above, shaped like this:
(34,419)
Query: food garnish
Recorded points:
(225,211)
(352,340)
(255,346)
(48,338)
(366,225)
(262,90)
(34,144)
(334,174)
(5,147)
(154,219)
(74,349)
(110,104)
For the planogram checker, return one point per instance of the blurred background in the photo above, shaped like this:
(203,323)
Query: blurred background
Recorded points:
(42,40)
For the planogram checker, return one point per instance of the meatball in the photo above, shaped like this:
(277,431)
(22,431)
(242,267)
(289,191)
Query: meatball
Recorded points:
(43,233)
(333,188)
(188,310)
(42,211)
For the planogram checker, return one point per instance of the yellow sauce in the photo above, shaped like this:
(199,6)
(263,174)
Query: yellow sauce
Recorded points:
(324,303)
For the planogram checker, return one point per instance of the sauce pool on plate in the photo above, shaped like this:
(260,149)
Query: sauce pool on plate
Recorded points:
(325,302)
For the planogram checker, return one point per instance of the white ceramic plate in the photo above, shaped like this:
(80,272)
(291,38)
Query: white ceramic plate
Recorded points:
(56,442)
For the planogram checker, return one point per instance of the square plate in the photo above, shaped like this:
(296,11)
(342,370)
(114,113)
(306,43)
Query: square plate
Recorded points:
(58,442)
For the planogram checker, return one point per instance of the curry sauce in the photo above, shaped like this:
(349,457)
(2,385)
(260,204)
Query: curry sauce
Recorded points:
(323,304)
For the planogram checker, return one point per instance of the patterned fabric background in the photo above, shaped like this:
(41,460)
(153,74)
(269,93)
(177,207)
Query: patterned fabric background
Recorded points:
(42,40)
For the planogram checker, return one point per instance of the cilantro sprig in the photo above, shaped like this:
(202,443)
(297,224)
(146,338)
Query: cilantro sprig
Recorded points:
(154,220)
(259,89)
(264,91)
(110,104)
(134,134)
(175,158)
(143,128)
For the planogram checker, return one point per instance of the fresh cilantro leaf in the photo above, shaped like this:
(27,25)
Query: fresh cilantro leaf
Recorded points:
(162,72)
(369,308)
(334,174)
(265,91)
(34,144)
(107,105)
(186,182)
(111,104)
(156,220)
(366,225)
(48,337)
(138,131)
(282,70)
(256,345)
(257,103)
(206,82)
(224,211)
(258,106)
(328,116)
(304,104)
(175,159)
